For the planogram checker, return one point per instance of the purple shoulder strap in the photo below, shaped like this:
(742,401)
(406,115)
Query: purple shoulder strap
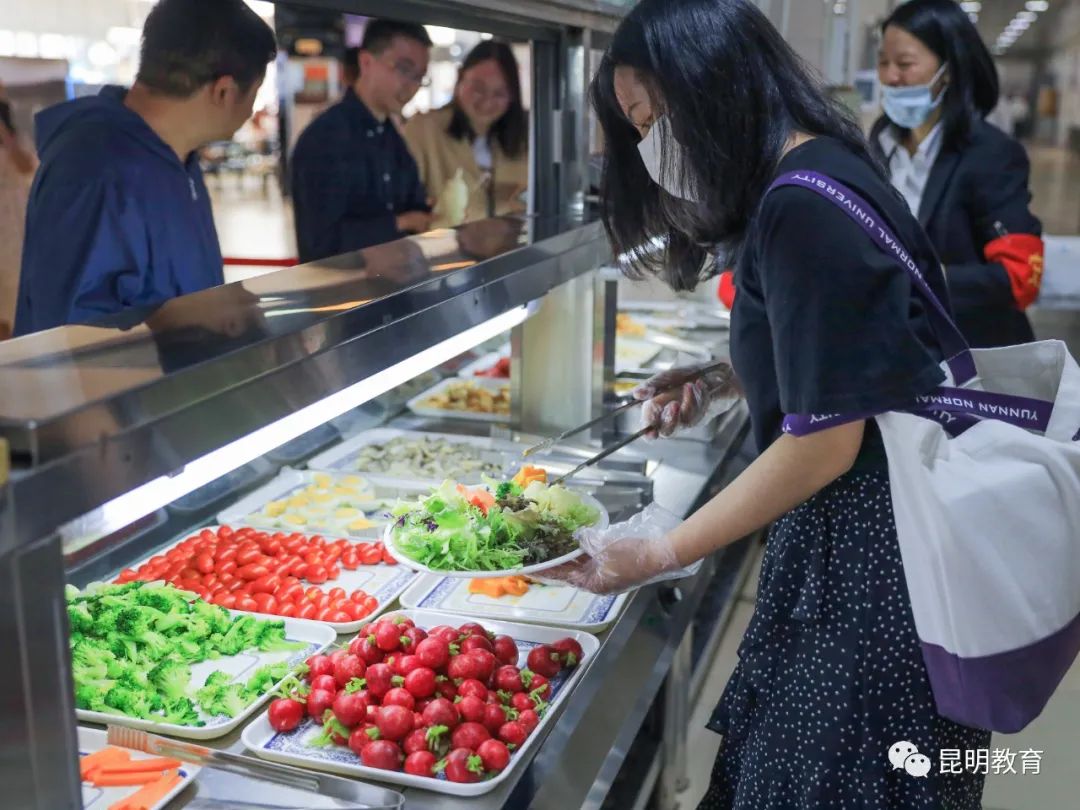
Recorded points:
(957,409)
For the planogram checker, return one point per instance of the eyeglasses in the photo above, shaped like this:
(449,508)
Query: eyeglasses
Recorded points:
(406,73)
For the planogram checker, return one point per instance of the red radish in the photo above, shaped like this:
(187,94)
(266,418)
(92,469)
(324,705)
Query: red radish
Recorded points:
(394,722)
(421,763)
(513,733)
(521,701)
(405,664)
(347,667)
(337,655)
(327,682)
(421,682)
(379,679)
(529,719)
(381,754)
(540,687)
(544,660)
(440,712)
(462,765)
(476,643)
(433,652)
(506,650)
(471,709)
(319,665)
(494,717)
(415,636)
(484,662)
(569,651)
(445,688)
(367,650)
(415,741)
(350,708)
(285,714)
(494,754)
(399,697)
(474,629)
(508,679)
(471,686)
(463,667)
(388,637)
(469,735)
(445,632)
(318,701)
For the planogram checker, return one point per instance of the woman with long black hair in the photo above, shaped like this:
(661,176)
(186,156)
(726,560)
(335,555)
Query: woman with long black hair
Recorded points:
(966,180)
(703,107)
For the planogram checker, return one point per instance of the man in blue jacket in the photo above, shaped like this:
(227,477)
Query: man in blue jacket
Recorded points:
(119,216)
(354,182)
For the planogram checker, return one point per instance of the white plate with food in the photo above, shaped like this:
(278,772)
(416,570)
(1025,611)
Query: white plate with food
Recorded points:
(512,601)
(295,748)
(494,365)
(475,533)
(406,456)
(154,789)
(478,399)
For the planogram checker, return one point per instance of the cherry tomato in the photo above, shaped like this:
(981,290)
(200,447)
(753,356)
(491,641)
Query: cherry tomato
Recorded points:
(204,563)
(227,567)
(388,558)
(370,555)
(370,604)
(315,573)
(290,593)
(287,610)
(248,555)
(298,568)
(291,544)
(127,575)
(224,554)
(265,603)
(245,602)
(228,601)
(336,593)
(225,532)
(338,617)
(266,584)
(339,603)
(358,596)
(252,571)
(306,611)
(350,560)
(333,571)
(176,555)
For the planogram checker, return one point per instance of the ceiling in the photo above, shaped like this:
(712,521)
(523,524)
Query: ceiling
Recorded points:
(995,15)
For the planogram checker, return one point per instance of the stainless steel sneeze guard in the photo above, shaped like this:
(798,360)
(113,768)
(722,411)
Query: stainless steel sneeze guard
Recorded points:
(112,409)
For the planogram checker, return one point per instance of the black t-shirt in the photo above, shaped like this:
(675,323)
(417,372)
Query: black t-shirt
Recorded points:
(824,321)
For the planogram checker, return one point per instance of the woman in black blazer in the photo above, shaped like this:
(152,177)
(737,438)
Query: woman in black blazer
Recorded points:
(966,180)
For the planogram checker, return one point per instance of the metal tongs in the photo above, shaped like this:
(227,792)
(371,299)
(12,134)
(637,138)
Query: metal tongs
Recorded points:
(548,443)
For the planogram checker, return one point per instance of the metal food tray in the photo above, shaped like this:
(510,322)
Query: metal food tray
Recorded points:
(318,636)
(384,582)
(338,458)
(290,748)
(416,403)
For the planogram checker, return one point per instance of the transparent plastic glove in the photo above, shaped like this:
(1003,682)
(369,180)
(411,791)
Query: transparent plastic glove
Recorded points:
(689,401)
(625,555)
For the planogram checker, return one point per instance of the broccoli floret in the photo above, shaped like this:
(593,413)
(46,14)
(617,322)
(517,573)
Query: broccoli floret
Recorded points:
(71,592)
(122,648)
(79,618)
(154,645)
(182,712)
(165,600)
(232,700)
(128,701)
(240,636)
(171,679)
(219,619)
(105,621)
(136,679)
(198,628)
(218,679)
(265,677)
(133,622)
(187,650)
(91,694)
(270,637)
(89,661)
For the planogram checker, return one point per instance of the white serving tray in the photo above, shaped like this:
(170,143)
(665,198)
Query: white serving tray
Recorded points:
(555,605)
(290,748)
(398,555)
(341,459)
(416,403)
(385,582)
(244,511)
(101,798)
(318,636)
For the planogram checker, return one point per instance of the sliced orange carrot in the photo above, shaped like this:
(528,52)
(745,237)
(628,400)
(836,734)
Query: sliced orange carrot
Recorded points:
(106,756)
(123,778)
(148,795)
(155,765)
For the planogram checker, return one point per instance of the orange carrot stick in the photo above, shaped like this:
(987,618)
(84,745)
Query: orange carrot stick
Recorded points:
(123,778)
(148,795)
(155,765)
(106,756)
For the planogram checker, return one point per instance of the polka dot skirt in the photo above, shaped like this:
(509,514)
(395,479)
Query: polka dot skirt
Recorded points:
(830,674)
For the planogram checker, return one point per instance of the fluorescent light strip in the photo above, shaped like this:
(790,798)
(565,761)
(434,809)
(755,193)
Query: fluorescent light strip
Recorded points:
(148,498)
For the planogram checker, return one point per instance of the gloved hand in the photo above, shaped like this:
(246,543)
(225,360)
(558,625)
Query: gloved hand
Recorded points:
(624,556)
(688,400)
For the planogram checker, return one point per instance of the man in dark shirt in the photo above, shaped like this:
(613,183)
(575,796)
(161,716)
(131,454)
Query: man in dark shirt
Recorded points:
(354,182)
(119,216)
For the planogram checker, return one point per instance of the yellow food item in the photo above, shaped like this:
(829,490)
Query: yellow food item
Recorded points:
(527,474)
(500,586)
(295,519)
(346,512)
(468,396)
(323,480)
(361,523)
(276,508)
(628,327)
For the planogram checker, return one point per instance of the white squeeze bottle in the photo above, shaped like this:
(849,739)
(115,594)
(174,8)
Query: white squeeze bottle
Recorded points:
(454,200)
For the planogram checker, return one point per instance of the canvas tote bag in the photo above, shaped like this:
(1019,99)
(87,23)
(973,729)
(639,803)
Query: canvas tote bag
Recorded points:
(984,475)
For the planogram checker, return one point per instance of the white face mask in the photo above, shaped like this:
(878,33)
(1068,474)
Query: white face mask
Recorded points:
(666,174)
(909,107)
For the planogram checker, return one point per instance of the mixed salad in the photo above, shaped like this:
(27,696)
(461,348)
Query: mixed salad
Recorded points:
(499,527)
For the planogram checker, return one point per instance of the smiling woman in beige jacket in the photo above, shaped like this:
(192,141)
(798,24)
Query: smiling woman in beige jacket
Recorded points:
(483,133)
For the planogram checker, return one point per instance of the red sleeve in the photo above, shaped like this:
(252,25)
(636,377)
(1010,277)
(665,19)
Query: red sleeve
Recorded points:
(1021,254)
